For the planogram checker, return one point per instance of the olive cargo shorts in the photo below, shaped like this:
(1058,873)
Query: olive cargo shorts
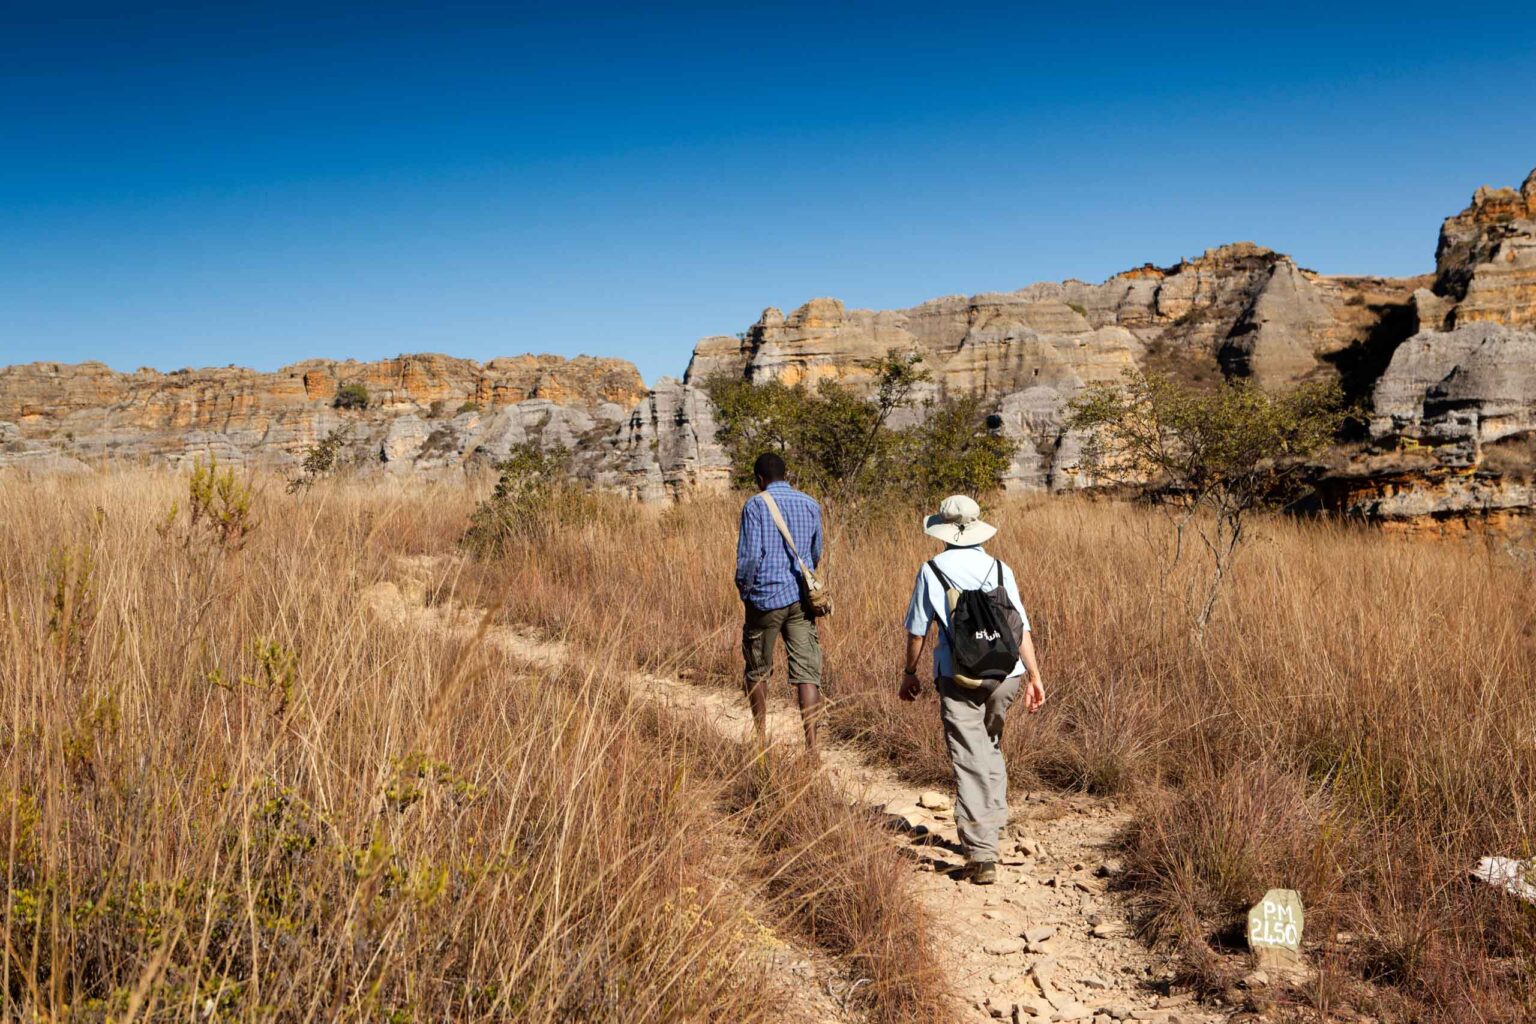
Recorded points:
(761,631)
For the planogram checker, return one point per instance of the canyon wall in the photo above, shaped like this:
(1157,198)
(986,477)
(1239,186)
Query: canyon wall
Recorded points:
(1239,309)
(422,411)
(1453,414)
(1444,364)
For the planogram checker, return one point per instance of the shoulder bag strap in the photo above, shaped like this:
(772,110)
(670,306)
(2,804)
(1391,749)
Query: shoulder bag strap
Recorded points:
(778,520)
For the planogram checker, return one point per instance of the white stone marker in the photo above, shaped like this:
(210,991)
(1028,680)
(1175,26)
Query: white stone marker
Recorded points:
(1275,924)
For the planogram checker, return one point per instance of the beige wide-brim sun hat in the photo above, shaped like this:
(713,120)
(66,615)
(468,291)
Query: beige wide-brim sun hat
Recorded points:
(958,522)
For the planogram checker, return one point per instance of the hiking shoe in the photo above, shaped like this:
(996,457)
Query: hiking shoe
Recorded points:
(983,872)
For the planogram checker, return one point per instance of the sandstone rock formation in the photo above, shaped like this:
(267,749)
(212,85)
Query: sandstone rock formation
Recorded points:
(1241,308)
(423,410)
(668,446)
(425,413)
(1240,304)
(1453,415)
(1446,363)
(1486,260)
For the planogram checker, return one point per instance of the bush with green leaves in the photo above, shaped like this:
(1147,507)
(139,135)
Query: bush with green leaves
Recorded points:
(351,396)
(1209,456)
(218,506)
(322,458)
(954,451)
(840,444)
(534,495)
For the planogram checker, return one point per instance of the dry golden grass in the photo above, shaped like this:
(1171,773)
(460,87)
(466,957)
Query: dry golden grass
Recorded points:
(226,792)
(1359,722)
(408,826)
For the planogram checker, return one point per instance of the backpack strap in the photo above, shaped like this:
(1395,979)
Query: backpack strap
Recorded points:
(945,583)
(999,572)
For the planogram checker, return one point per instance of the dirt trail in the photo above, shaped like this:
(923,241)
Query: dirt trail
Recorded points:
(1048,942)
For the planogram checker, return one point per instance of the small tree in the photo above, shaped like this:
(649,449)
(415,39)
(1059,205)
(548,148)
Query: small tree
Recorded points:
(321,458)
(351,396)
(534,495)
(754,418)
(1211,456)
(846,442)
(953,451)
(840,444)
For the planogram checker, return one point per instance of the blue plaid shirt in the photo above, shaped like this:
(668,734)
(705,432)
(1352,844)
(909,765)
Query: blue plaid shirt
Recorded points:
(765,573)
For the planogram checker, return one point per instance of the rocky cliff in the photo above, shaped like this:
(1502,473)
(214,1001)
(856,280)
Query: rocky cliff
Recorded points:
(1239,309)
(1445,363)
(1453,414)
(422,411)
(1242,308)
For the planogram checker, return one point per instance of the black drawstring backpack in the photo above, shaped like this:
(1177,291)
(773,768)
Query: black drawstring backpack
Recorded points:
(984,631)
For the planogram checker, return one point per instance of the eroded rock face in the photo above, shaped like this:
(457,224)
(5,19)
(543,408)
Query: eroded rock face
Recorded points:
(1239,308)
(1447,363)
(1459,389)
(423,412)
(1486,260)
(1453,416)
(1242,304)
(665,449)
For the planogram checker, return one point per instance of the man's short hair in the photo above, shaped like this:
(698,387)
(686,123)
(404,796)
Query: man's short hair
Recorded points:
(769,466)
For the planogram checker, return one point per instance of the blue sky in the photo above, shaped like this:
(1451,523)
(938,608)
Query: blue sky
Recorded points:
(212,183)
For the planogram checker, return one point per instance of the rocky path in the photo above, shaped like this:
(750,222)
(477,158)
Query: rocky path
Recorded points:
(1048,943)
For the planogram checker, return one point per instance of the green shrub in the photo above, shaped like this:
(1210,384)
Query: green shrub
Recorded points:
(218,506)
(321,458)
(953,451)
(534,496)
(840,444)
(351,396)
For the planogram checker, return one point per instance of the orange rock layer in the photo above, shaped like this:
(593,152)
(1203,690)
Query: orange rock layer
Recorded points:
(35,394)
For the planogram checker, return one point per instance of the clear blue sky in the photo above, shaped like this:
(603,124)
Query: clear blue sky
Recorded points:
(201,184)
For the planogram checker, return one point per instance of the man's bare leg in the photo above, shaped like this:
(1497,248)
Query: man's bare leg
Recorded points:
(810,714)
(757,698)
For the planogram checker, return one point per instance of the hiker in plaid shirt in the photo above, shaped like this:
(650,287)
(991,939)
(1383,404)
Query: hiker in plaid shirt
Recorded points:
(770,589)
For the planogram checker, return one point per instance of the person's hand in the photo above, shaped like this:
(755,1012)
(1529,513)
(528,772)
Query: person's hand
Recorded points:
(911,686)
(1034,694)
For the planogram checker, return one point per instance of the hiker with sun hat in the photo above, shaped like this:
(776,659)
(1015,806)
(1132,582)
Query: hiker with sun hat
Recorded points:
(982,658)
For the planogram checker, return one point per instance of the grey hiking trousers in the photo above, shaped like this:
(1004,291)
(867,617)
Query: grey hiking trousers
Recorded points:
(973,730)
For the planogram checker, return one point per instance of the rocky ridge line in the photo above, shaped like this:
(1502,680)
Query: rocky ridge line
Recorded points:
(1443,363)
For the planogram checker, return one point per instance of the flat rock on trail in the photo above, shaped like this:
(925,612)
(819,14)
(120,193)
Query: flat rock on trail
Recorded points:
(1048,942)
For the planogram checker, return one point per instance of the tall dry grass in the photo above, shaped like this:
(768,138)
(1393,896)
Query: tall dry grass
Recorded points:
(228,791)
(1359,722)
